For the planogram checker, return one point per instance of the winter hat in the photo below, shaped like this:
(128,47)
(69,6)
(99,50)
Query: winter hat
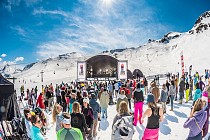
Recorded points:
(150,98)
(66,121)
(86,100)
(63,88)
(205,96)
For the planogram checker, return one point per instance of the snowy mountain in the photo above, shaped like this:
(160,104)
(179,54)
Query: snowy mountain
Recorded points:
(155,57)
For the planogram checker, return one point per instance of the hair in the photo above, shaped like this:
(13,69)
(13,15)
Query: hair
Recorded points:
(198,105)
(76,107)
(154,106)
(197,86)
(55,112)
(34,118)
(66,115)
(164,86)
(122,92)
(172,83)
(123,108)
(25,112)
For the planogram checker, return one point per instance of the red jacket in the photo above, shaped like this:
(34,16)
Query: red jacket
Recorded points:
(40,102)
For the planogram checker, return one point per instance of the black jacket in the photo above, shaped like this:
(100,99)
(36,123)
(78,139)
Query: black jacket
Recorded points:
(138,96)
(88,113)
(78,121)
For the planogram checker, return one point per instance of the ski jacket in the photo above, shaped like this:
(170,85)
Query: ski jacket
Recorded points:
(40,102)
(59,119)
(196,123)
(104,100)
(96,108)
(78,121)
(69,134)
(120,99)
(88,113)
(138,96)
(36,134)
(197,94)
(164,95)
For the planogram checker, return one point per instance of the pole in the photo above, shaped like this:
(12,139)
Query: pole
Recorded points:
(182,62)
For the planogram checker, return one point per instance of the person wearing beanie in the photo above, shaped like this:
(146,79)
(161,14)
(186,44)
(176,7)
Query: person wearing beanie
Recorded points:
(68,132)
(88,113)
(197,93)
(155,115)
(96,113)
(138,104)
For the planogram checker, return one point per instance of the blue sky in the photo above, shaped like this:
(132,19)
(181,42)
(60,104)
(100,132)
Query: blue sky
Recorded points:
(39,29)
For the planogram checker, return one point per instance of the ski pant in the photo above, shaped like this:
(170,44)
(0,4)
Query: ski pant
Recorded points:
(187,95)
(50,102)
(95,124)
(150,134)
(104,111)
(172,101)
(129,102)
(58,99)
(138,111)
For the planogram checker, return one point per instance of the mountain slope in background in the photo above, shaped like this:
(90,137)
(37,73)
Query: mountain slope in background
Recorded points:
(156,57)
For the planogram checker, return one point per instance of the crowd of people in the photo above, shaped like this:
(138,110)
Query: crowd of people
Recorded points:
(77,107)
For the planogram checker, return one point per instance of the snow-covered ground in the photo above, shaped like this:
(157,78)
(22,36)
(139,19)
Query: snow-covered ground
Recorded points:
(170,129)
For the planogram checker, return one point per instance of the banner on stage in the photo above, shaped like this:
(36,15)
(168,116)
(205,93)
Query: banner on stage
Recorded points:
(81,70)
(122,69)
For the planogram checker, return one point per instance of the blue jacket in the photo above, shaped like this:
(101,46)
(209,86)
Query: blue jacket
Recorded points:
(197,94)
(36,134)
(164,95)
(96,108)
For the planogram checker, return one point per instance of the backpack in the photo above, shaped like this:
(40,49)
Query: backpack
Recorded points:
(123,128)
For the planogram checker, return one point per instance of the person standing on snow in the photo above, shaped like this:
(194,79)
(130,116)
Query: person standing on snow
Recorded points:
(187,91)
(197,93)
(40,101)
(155,116)
(181,90)
(163,97)
(68,132)
(104,102)
(201,84)
(138,104)
(116,88)
(155,91)
(88,113)
(196,121)
(171,93)
(121,97)
(96,113)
